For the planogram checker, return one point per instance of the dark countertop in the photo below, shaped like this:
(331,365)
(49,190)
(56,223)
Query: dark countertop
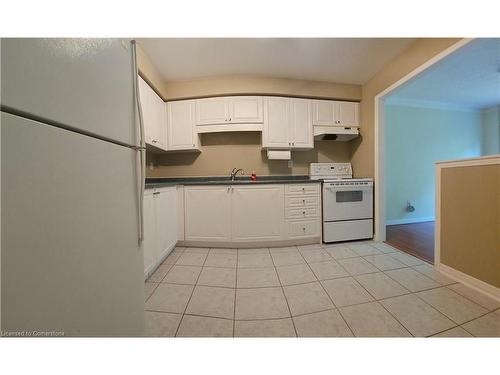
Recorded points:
(165,181)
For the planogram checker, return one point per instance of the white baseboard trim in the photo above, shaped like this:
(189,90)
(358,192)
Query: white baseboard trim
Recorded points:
(476,284)
(409,221)
(159,261)
(250,244)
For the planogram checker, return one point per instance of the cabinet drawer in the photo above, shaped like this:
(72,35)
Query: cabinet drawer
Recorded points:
(306,228)
(302,202)
(298,213)
(293,189)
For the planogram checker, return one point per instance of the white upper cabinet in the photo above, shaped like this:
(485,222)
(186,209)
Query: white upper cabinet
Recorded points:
(301,123)
(245,110)
(287,123)
(276,132)
(154,117)
(334,113)
(212,111)
(229,110)
(181,134)
(348,114)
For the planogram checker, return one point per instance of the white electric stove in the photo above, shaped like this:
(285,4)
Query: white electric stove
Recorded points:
(347,202)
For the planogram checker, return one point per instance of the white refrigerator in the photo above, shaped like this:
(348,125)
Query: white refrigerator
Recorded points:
(71,188)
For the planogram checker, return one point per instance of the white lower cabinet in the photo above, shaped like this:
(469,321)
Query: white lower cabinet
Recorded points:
(257,213)
(160,226)
(207,213)
(251,213)
(149,247)
(303,228)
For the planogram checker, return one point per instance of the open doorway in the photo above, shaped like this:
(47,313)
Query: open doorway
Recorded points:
(448,111)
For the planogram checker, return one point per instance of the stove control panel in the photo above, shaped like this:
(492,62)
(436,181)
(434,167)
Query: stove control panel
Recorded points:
(330,170)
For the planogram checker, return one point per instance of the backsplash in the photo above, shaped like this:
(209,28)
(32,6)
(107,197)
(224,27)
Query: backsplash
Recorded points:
(221,152)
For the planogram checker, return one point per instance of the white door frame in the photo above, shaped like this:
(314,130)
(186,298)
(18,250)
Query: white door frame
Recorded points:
(379,129)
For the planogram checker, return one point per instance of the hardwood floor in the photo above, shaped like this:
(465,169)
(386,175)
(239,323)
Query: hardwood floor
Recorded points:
(415,239)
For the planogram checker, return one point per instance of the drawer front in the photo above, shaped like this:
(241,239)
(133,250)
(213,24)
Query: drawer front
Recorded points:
(303,189)
(302,202)
(306,228)
(302,213)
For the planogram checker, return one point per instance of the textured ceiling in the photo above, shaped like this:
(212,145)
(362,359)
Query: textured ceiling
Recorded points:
(470,78)
(342,60)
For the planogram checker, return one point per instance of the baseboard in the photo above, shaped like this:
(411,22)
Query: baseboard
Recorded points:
(252,244)
(159,261)
(409,221)
(476,284)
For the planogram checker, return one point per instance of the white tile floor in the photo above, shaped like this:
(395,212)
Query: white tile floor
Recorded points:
(360,289)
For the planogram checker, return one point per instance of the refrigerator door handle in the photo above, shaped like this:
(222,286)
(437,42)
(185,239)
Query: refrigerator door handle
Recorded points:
(142,145)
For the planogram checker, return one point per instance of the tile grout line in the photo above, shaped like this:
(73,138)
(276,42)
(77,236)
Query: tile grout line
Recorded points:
(447,329)
(330,298)
(467,298)
(159,282)
(440,285)
(192,292)
(375,300)
(284,295)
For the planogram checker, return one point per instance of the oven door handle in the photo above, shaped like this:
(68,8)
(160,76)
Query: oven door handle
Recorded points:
(359,188)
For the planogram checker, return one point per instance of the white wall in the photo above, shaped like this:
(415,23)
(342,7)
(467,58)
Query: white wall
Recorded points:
(415,139)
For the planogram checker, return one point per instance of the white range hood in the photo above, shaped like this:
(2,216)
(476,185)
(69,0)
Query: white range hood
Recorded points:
(335,133)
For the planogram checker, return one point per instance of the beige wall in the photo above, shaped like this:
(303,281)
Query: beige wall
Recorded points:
(220,152)
(363,148)
(149,73)
(230,85)
(470,221)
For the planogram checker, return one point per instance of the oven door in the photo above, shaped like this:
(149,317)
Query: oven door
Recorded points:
(347,202)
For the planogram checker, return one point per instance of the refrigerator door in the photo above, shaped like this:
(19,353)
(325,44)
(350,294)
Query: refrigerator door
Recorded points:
(84,84)
(70,256)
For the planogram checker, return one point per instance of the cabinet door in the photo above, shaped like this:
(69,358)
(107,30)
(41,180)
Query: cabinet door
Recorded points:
(161,122)
(166,220)
(153,113)
(324,113)
(149,245)
(276,132)
(212,111)
(245,110)
(257,213)
(207,213)
(181,133)
(301,123)
(147,110)
(348,114)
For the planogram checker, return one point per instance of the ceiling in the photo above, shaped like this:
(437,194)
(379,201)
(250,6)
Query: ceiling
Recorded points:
(468,78)
(341,60)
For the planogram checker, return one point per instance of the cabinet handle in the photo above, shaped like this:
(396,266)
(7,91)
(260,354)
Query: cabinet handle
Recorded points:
(304,228)
(229,119)
(228,188)
(303,212)
(225,120)
(154,141)
(157,193)
(193,145)
(304,201)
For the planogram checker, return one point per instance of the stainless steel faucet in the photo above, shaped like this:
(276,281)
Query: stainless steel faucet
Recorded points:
(234,172)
